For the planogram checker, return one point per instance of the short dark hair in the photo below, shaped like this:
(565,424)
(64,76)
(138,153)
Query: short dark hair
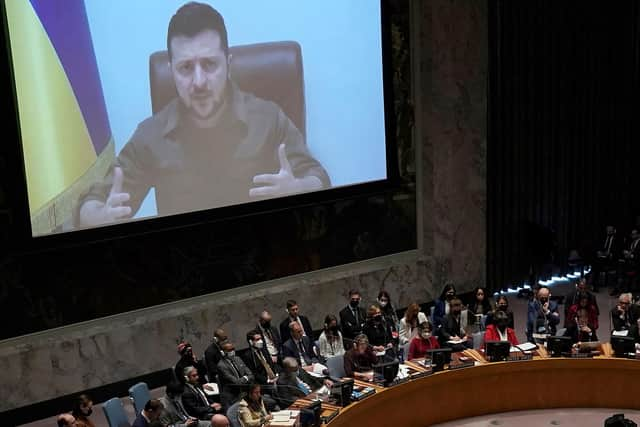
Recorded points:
(291,303)
(174,388)
(79,402)
(153,405)
(193,18)
(252,333)
(353,292)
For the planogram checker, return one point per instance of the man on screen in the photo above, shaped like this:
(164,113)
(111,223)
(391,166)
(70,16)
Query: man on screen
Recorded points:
(214,145)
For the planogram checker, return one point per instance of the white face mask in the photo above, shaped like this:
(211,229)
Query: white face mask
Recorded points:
(426,335)
(258,344)
(383,303)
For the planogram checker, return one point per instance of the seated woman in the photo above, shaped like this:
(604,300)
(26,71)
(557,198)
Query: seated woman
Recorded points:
(330,340)
(251,410)
(359,360)
(500,330)
(409,323)
(423,341)
(502,304)
(582,321)
(379,332)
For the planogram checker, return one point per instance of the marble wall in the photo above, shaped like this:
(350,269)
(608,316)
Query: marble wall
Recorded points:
(449,51)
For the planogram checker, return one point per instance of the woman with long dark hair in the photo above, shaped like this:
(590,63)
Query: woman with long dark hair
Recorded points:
(251,410)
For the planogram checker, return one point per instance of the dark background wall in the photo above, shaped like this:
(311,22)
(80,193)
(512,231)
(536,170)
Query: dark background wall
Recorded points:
(563,131)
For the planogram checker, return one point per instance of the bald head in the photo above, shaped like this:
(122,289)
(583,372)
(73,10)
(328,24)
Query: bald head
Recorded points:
(66,420)
(219,420)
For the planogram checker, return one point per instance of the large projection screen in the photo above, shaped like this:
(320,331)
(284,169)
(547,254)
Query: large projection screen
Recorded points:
(113,128)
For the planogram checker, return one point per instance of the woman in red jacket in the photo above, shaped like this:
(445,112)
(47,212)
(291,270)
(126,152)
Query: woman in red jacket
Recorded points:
(422,342)
(499,331)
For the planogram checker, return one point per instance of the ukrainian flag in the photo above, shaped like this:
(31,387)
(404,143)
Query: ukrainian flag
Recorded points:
(66,137)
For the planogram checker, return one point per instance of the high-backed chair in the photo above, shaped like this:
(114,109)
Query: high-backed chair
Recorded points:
(139,395)
(335,365)
(114,411)
(271,71)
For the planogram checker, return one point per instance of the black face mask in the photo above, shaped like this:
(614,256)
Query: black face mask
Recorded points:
(503,307)
(544,300)
(334,329)
(266,325)
(377,319)
(354,304)
(501,325)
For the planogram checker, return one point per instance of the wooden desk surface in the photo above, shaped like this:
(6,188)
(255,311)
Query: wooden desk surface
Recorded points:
(499,387)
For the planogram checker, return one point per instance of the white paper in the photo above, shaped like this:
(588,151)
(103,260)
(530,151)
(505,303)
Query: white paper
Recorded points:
(527,346)
(620,333)
(513,349)
(213,392)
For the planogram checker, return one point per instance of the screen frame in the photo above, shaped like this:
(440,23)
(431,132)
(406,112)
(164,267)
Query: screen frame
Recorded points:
(22,241)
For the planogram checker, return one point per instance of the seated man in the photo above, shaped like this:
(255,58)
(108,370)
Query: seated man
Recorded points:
(299,346)
(233,375)
(187,358)
(624,314)
(213,353)
(499,330)
(173,412)
(294,382)
(542,314)
(258,360)
(151,412)
(359,360)
(453,328)
(423,342)
(214,145)
(194,398)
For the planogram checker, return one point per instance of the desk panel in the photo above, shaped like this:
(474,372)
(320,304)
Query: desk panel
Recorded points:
(500,387)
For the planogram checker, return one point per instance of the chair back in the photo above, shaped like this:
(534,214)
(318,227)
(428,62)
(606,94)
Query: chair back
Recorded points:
(114,412)
(271,71)
(233,415)
(335,365)
(139,395)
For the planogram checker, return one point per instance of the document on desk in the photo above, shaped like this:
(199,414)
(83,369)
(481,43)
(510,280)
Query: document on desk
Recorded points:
(620,333)
(456,341)
(527,346)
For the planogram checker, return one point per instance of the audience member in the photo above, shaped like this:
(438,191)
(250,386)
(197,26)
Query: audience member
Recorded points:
(389,313)
(502,304)
(499,330)
(481,303)
(631,262)
(453,328)
(574,297)
(378,331)
(293,382)
(151,412)
(270,336)
(233,375)
(542,314)
(423,342)
(82,410)
(213,352)
(194,399)
(187,358)
(409,323)
(66,420)
(582,321)
(624,314)
(352,318)
(173,412)
(442,305)
(251,410)
(359,360)
(299,346)
(258,360)
(330,341)
(605,258)
(293,309)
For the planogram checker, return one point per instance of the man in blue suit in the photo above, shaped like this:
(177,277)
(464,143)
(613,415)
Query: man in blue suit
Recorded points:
(151,412)
(542,314)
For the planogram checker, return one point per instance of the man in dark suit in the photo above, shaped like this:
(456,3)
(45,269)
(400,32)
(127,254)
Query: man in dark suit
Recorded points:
(187,358)
(352,319)
(173,412)
(270,336)
(151,412)
(233,375)
(292,309)
(194,399)
(542,314)
(258,360)
(295,382)
(453,328)
(213,353)
(299,346)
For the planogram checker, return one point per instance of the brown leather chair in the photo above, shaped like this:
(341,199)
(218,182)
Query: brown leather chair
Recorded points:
(271,71)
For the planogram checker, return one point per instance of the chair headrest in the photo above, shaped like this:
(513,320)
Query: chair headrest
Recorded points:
(271,71)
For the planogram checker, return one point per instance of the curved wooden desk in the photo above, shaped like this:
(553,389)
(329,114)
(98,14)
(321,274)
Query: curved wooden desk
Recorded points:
(500,387)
